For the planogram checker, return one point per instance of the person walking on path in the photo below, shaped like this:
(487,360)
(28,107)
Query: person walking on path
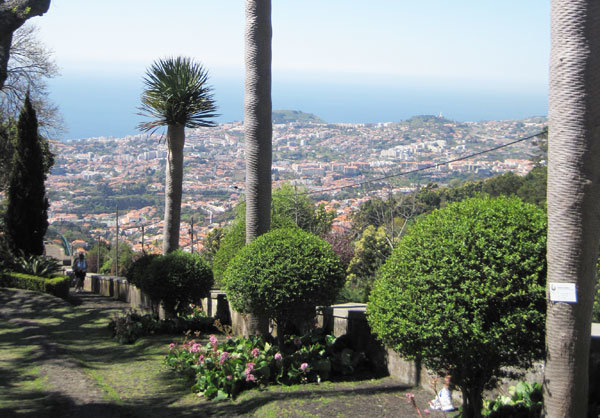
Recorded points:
(80,269)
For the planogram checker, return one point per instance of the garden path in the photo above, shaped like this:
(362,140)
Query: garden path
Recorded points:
(58,360)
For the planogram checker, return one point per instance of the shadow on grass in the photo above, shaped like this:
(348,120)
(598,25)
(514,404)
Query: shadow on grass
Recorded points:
(251,402)
(41,327)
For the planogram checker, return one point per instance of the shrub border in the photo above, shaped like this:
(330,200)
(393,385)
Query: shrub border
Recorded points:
(56,286)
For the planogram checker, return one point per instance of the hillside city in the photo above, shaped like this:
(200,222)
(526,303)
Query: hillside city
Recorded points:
(94,176)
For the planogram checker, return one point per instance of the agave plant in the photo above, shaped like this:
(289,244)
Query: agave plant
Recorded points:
(37,265)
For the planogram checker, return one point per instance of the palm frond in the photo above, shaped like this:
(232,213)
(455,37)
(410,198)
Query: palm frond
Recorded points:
(177,93)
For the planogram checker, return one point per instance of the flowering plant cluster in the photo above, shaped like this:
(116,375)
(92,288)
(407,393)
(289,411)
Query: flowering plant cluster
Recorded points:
(224,368)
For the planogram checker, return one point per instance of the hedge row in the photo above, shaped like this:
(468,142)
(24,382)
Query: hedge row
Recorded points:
(57,286)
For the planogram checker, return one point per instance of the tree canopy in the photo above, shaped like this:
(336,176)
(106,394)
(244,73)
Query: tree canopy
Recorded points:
(464,291)
(283,275)
(26,217)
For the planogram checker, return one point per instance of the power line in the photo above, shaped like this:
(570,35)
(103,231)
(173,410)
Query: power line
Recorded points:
(429,167)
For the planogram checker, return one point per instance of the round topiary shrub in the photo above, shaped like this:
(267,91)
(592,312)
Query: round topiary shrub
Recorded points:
(464,292)
(283,275)
(139,270)
(178,279)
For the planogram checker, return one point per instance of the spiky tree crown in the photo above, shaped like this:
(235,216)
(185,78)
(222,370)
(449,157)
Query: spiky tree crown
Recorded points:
(177,94)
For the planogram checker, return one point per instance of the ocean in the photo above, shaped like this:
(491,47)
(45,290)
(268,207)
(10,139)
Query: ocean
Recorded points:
(100,105)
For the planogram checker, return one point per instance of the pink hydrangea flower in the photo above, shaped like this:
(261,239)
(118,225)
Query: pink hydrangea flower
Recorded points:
(255,352)
(277,356)
(195,348)
(213,340)
(249,368)
(171,346)
(304,367)
(224,357)
(250,377)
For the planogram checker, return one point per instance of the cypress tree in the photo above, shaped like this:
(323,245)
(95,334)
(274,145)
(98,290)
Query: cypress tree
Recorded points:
(26,217)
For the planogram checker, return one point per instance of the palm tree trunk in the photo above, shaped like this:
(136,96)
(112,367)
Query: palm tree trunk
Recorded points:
(257,117)
(173,187)
(258,130)
(573,200)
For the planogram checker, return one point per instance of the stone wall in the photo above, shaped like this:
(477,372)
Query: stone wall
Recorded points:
(346,321)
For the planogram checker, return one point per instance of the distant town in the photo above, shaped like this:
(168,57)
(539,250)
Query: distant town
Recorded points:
(94,177)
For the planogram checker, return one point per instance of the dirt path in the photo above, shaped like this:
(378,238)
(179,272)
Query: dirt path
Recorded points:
(57,360)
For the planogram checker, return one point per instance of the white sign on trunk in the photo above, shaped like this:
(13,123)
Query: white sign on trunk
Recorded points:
(563,292)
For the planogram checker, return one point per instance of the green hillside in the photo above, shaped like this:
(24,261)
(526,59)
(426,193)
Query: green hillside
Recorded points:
(287,116)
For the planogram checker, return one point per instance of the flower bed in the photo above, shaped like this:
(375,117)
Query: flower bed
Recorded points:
(223,369)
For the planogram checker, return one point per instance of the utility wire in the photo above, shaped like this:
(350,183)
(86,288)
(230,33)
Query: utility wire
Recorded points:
(416,170)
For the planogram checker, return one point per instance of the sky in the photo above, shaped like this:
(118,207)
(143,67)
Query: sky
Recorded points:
(345,59)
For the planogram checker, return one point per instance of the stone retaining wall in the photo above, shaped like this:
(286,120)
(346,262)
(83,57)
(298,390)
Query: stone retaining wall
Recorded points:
(346,320)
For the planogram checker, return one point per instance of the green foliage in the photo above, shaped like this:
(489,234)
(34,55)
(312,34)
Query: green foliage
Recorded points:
(533,189)
(139,270)
(234,238)
(283,275)
(177,93)
(523,401)
(464,291)
(212,243)
(26,217)
(596,309)
(370,252)
(289,208)
(290,203)
(178,279)
(37,265)
(98,252)
(126,256)
(126,328)
(57,286)
(224,369)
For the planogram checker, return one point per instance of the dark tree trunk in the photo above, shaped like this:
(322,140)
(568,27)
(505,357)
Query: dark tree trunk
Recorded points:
(573,200)
(13,13)
(472,402)
(173,187)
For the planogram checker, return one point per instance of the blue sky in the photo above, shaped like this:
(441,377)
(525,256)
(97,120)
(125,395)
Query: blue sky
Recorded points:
(470,45)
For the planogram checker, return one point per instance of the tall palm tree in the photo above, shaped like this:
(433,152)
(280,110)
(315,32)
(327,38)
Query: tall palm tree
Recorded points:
(258,129)
(573,199)
(257,117)
(176,96)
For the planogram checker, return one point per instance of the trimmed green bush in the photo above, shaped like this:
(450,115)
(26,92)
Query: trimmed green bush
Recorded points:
(233,240)
(140,269)
(283,275)
(178,279)
(290,208)
(57,286)
(464,292)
